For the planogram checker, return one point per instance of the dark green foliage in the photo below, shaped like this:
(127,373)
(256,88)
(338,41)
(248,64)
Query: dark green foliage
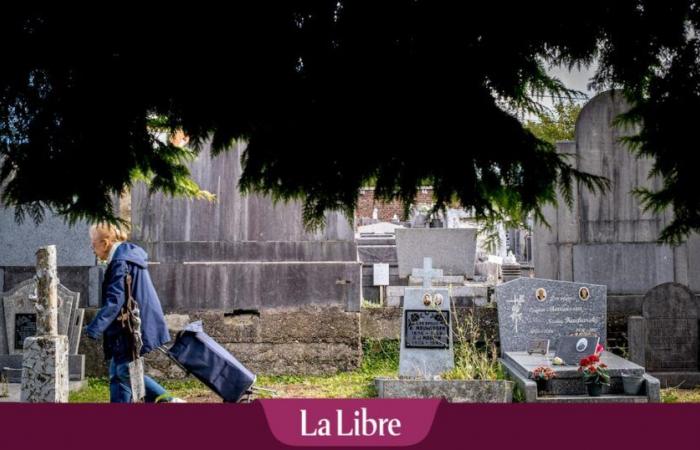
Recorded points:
(330,95)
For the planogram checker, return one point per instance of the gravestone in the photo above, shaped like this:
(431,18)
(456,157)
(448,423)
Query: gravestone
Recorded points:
(45,356)
(18,321)
(533,308)
(665,338)
(537,309)
(426,337)
(452,249)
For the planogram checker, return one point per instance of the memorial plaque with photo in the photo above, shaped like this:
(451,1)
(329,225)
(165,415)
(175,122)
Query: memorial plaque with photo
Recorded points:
(25,326)
(427,329)
(571,349)
(532,308)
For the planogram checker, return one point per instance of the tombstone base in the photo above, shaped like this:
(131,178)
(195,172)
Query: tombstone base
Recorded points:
(45,369)
(568,386)
(13,367)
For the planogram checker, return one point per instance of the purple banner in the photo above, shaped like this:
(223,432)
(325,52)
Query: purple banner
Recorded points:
(362,423)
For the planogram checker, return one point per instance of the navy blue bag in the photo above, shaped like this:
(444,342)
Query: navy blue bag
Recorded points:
(197,353)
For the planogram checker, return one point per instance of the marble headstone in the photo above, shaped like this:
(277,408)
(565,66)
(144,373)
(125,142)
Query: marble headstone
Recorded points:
(19,317)
(426,339)
(533,308)
(452,249)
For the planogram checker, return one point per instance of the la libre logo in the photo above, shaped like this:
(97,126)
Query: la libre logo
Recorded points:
(358,423)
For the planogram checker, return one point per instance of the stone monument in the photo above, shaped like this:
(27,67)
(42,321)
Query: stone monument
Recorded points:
(426,329)
(664,338)
(532,309)
(45,358)
(451,249)
(18,321)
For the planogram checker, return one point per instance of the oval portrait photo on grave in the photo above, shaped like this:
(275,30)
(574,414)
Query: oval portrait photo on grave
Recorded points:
(584,294)
(581,345)
(541,294)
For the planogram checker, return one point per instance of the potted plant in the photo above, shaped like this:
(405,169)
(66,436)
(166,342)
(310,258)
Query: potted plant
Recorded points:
(595,374)
(542,375)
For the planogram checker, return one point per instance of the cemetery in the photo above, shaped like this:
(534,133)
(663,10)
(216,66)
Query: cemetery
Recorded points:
(592,309)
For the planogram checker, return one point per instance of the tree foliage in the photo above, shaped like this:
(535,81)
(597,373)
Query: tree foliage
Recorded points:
(330,94)
(557,124)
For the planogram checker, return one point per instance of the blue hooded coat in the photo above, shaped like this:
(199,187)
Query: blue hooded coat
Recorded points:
(132,259)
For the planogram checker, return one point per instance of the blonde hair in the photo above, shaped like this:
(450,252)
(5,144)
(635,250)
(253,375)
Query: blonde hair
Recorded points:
(110,231)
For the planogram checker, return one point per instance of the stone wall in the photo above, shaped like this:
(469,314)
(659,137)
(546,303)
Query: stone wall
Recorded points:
(320,341)
(609,239)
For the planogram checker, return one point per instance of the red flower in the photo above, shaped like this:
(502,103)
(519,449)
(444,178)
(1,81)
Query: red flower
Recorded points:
(593,358)
(584,362)
(599,349)
(591,369)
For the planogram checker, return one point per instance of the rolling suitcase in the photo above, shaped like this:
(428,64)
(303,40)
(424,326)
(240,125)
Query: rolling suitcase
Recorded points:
(198,354)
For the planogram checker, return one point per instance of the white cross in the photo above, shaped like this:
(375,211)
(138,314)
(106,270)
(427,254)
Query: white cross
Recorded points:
(427,272)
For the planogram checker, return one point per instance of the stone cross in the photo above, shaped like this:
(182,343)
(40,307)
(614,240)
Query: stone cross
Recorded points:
(45,356)
(427,273)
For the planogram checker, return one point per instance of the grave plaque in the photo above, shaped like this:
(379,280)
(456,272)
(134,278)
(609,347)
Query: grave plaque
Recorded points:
(381,274)
(427,329)
(532,308)
(25,326)
(571,349)
(538,346)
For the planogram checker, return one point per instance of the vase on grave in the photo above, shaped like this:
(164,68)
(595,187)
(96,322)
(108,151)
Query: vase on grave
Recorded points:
(632,384)
(594,389)
(543,386)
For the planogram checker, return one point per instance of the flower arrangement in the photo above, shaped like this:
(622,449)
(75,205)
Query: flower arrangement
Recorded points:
(595,373)
(543,373)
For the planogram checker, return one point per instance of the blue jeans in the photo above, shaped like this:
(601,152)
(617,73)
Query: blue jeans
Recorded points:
(120,387)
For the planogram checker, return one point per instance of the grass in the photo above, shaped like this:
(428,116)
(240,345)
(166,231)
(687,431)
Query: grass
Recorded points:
(381,359)
(675,395)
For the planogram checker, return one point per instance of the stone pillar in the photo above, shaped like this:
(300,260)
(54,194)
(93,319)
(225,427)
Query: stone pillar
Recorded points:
(636,341)
(45,358)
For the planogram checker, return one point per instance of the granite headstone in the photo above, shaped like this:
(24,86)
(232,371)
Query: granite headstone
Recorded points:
(533,308)
(452,249)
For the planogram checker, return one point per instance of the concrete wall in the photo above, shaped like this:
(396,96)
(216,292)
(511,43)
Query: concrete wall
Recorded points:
(280,298)
(233,217)
(76,261)
(609,239)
